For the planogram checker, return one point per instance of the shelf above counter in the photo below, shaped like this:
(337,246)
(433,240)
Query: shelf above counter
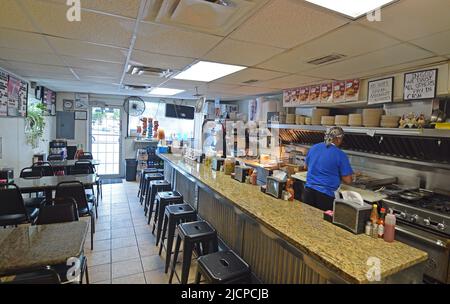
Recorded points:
(437,133)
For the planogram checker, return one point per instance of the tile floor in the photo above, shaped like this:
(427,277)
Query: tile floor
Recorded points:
(124,247)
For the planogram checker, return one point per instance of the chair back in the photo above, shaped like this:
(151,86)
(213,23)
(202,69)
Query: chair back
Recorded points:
(11,201)
(31,172)
(58,210)
(73,190)
(39,276)
(46,167)
(86,155)
(82,167)
(54,157)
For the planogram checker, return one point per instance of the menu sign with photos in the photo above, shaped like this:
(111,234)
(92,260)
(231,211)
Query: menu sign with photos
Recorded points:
(303,94)
(352,90)
(81,101)
(380,91)
(338,91)
(314,93)
(326,92)
(290,98)
(49,99)
(17,97)
(3,94)
(420,85)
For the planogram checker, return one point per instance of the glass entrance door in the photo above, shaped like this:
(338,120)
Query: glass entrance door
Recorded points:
(106,139)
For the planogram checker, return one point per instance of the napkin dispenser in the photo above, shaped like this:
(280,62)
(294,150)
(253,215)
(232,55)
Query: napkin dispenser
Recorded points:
(6,175)
(351,213)
(241,172)
(217,163)
(275,186)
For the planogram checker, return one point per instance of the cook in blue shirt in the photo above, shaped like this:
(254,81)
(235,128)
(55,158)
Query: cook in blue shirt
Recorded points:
(327,166)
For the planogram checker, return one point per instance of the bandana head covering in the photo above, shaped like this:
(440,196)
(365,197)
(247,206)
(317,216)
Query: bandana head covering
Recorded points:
(332,133)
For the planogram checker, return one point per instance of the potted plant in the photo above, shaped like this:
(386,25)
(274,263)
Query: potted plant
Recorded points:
(34,124)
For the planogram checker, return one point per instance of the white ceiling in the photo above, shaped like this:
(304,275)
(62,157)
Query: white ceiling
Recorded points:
(274,38)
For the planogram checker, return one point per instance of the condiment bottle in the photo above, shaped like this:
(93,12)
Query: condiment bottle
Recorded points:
(374,214)
(381,223)
(253,178)
(369,228)
(389,227)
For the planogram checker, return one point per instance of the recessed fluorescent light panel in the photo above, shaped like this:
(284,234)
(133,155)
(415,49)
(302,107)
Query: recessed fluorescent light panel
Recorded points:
(351,8)
(208,71)
(165,91)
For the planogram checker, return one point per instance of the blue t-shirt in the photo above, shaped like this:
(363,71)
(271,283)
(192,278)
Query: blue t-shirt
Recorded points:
(326,166)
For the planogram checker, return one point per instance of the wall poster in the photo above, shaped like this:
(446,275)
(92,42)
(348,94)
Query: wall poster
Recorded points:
(420,85)
(380,91)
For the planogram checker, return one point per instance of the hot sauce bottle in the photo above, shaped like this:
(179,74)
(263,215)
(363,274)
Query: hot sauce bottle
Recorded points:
(381,223)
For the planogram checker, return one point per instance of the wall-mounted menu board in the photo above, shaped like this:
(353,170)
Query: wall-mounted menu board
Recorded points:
(380,91)
(17,97)
(49,99)
(420,85)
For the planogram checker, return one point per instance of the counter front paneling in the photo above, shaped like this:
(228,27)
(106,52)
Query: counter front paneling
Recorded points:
(289,242)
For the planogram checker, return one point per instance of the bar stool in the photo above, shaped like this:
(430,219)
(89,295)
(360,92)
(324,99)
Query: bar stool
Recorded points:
(141,180)
(193,235)
(148,177)
(223,267)
(164,199)
(154,187)
(173,216)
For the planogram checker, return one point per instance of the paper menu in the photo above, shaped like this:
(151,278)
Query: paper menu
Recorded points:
(338,91)
(314,93)
(352,90)
(303,94)
(326,92)
(3,94)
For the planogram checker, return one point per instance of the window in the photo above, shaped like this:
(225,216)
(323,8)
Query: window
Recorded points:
(173,127)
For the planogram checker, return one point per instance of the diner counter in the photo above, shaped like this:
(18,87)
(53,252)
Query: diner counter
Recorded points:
(343,253)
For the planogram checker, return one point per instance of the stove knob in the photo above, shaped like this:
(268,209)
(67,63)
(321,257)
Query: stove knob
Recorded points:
(441,226)
(414,218)
(426,222)
(403,215)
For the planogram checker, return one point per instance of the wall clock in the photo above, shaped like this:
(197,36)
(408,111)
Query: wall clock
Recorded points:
(68,105)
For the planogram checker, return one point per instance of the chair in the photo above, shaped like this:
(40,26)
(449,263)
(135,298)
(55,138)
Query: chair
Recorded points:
(40,276)
(31,172)
(12,208)
(76,191)
(71,151)
(59,210)
(86,167)
(46,168)
(54,157)
(86,155)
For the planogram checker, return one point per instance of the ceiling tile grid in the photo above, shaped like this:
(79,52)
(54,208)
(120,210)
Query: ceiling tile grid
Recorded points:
(159,61)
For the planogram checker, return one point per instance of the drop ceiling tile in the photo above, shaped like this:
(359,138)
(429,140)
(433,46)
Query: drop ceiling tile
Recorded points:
(143,80)
(126,8)
(12,16)
(160,61)
(181,84)
(218,87)
(395,55)
(98,66)
(29,56)
(438,43)
(173,41)
(247,90)
(241,53)
(288,82)
(407,20)
(249,74)
(349,40)
(101,79)
(23,41)
(97,28)
(86,50)
(287,23)
(25,66)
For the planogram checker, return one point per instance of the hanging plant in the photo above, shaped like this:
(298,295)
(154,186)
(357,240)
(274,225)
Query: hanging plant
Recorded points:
(35,124)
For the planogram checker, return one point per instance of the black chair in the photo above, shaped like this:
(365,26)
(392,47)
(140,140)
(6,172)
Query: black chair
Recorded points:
(82,167)
(31,172)
(148,177)
(142,179)
(39,276)
(71,151)
(58,210)
(76,191)
(223,267)
(154,187)
(54,157)
(86,155)
(164,199)
(12,208)
(46,168)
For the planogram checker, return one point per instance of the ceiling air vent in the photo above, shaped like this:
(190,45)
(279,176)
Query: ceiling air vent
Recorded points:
(250,81)
(136,87)
(326,59)
(149,71)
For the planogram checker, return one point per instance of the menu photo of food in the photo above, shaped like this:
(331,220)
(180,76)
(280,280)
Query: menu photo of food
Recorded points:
(290,98)
(352,90)
(303,94)
(314,93)
(326,92)
(338,91)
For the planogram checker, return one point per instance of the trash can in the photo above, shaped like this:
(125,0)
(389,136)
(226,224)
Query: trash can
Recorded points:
(131,167)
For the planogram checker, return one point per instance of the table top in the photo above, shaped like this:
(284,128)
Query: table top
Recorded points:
(29,247)
(50,182)
(71,162)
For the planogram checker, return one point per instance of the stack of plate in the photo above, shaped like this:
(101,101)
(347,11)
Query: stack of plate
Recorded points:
(290,118)
(317,114)
(299,120)
(355,120)
(307,120)
(372,117)
(341,120)
(389,121)
(327,121)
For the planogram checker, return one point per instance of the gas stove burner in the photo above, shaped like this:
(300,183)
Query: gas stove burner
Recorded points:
(415,195)
(437,206)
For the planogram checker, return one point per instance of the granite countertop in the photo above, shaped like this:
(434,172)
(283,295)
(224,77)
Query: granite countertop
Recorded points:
(27,247)
(302,225)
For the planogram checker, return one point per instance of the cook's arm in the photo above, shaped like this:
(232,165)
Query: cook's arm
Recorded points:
(347,179)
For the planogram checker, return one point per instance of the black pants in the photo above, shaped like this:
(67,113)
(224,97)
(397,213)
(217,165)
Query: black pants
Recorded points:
(318,199)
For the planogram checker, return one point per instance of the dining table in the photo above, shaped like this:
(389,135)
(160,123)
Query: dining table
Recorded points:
(67,163)
(31,247)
